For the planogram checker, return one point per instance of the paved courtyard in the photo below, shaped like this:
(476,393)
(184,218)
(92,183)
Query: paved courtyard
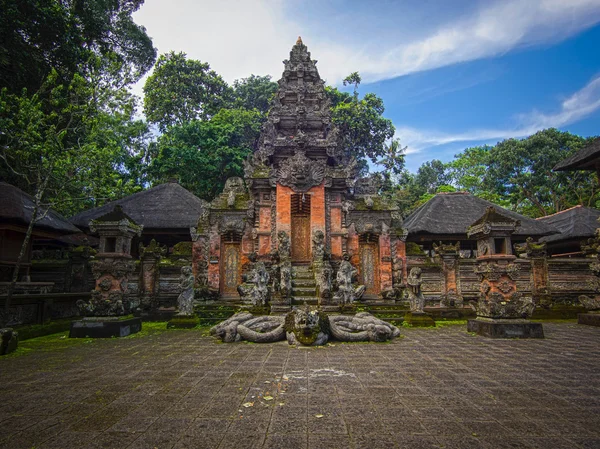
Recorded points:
(431,388)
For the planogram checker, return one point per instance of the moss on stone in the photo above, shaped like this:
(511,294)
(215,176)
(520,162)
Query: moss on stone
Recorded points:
(412,249)
(182,249)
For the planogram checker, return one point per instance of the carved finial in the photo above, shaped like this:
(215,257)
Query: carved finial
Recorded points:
(299,41)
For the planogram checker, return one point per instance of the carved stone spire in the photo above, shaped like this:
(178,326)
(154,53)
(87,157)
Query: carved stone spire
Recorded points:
(299,119)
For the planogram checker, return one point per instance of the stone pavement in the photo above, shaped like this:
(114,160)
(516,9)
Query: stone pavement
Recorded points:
(431,388)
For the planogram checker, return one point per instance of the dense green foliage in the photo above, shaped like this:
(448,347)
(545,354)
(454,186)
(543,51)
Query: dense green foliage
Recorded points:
(515,173)
(70,37)
(181,90)
(364,131)
(202,154)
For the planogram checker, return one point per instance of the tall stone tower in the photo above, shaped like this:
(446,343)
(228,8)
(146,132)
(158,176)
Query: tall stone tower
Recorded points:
(302,210)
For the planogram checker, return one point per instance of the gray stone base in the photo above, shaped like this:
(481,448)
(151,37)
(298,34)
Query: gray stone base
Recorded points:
(419,319)
(9,340)
(590,319)
(505,328)
(105,327)
(183,322)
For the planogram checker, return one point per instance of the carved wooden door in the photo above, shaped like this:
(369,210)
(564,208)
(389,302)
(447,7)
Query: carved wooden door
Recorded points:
(300,228)
(369,267)
(231,268)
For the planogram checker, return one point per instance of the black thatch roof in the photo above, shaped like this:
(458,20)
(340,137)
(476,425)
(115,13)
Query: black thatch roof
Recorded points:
(588,158)
(575,223)
(17,207)
(166,206)
(452,213)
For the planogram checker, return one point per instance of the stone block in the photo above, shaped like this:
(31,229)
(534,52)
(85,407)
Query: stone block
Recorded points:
(589,319)
(9,340)
(419,319)
(105,327)
(505,328)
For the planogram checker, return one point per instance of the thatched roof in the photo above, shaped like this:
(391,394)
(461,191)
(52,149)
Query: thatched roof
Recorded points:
(575,223)
(17,207)
(588,158)
(452,213)
(166,206)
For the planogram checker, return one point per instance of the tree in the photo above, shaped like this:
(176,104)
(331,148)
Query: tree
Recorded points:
(521,171)
(41,36)
(203,154)
(364,131)
(254,92)
(53,154)
(181,90)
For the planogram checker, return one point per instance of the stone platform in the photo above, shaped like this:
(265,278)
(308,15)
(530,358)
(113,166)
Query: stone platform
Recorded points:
(505,328)
(590,319)
(105,327)
(433,388)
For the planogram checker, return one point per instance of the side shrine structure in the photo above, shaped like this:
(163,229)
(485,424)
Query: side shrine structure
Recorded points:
(301,226)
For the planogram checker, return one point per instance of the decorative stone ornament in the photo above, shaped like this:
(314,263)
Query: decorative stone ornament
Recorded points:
(300,173)
(111,269)
(304,326)
(502,311)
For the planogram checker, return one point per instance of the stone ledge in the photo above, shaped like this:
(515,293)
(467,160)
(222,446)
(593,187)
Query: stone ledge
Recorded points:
(505,328)
(108,328)
(589,319)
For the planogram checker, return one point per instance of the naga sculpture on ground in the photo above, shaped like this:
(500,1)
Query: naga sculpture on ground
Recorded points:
(306,326)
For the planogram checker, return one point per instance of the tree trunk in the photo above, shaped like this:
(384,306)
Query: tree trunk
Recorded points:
(34,216)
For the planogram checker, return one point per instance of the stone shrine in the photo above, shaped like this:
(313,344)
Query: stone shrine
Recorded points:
(106,314)
(301,227)
(502,311)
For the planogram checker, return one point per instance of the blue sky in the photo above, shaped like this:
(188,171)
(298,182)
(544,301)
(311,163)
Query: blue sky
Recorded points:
(452,74)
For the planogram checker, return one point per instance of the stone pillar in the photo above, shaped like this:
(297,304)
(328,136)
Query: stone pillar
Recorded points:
(111,268)
(449,254)
(502,310)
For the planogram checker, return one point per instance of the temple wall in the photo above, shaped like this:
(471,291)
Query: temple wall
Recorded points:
(566,279)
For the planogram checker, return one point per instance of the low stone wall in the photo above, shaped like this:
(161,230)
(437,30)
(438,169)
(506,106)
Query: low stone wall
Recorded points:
(39,308)
(567,278)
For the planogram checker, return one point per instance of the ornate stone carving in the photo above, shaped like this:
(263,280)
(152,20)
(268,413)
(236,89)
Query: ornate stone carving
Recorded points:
(361,327)
(255,289)
(185,300)
(300,173)
(307,326)
(347,293)
(244,326)
(590,304)
(415,294)
(531,249)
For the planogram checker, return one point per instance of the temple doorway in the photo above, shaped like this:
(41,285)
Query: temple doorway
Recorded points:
(300,208)
(369,263)
(231,268)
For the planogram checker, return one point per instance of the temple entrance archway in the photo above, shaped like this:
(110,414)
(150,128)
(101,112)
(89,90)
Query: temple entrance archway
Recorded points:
(300,209)
(231,268)
(369,263)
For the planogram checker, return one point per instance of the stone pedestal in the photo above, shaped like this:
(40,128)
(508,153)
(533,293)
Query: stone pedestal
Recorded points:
(9,340)
(105,327)
(183,322)
(505,328)
(419,319)
(590,318)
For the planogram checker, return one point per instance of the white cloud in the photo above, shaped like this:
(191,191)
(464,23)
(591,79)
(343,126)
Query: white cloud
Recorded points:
(241,37)
(579,105)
